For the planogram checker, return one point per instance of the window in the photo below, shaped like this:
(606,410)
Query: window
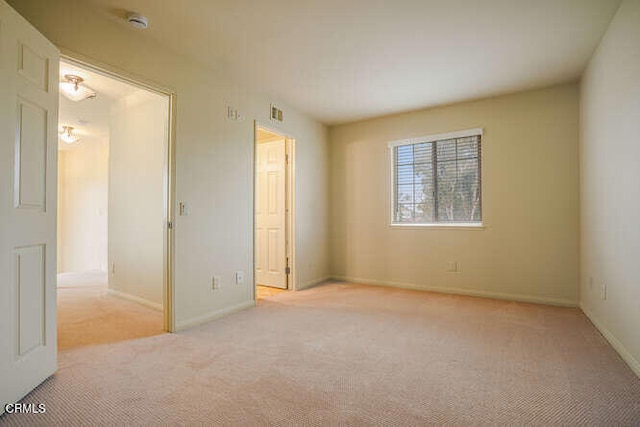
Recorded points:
(436,179)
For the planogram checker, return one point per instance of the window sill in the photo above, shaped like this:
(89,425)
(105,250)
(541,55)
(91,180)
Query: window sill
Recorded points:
(459,226)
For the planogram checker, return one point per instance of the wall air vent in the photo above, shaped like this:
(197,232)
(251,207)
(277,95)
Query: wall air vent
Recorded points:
(276,113)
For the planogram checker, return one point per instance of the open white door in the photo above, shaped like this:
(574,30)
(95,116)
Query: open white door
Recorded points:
(271,261)
(28,170)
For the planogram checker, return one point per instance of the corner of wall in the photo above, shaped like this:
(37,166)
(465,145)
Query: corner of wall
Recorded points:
(625,354)
(608,165)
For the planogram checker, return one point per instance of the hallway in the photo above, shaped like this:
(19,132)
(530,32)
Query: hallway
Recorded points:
(89,315)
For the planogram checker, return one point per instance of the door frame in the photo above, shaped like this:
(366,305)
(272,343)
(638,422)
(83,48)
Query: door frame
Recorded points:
(168,306)
(290,202)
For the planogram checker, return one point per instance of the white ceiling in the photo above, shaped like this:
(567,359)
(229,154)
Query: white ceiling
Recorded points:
(346,60)
(90,118)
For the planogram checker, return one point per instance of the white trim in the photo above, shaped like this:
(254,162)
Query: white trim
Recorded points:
(475,226)
(108,70)
(142,301)
(391,190)
(625,354)
(290,177)
(290,216)
(390,180)
(437,137)
(195,321)
(313,283)
(169,168)
(458,291)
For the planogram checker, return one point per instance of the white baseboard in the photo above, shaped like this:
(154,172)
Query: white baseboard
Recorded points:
(312,283)
(134,298)
(615,343)
(195,321)
(459,291)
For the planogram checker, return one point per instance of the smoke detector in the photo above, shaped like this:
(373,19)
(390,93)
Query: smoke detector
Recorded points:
(138,21)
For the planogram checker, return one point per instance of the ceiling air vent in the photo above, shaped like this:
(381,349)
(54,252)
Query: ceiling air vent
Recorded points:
(276,113)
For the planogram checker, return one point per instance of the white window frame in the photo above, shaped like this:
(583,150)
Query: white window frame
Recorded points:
(425,139)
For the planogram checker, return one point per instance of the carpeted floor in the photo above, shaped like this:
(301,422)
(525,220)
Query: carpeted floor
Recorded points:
(88,315)
(351,354)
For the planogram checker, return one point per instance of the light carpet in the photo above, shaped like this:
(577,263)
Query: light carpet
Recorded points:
(346,354)
(89,315)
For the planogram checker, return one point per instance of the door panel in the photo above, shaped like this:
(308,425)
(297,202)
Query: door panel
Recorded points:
(28,276)
(274,256)
(33,67)
(270,215)
(28,158)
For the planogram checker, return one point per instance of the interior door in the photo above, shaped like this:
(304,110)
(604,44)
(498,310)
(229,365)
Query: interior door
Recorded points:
(28,170)
(271,261)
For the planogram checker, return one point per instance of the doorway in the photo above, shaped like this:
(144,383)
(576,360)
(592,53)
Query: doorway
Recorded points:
(274,212)
(114,169)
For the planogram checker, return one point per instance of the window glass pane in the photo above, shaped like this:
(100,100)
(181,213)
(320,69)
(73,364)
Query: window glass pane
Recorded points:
(405,175)
(419,194)
(458,191)
(447,186)
(467,148)
(422,153)
(404,213)
(405,194)
(424,213)
(424,184)
(467,205)
(446,150)
(404,154)
(423,174)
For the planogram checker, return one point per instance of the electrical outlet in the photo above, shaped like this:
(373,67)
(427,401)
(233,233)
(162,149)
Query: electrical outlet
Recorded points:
(452,266)
(603,290)
(234,114)
(239,277)
(215,283)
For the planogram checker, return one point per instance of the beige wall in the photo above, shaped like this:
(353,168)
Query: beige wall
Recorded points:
(529,247)
(82,206)
(610,184)
(214,158)
(137,142)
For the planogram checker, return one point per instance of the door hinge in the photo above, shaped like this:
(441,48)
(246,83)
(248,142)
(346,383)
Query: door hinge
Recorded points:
(170,225)
(287,270)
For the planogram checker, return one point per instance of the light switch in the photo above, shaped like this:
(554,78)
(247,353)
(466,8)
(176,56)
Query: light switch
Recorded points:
(183,209)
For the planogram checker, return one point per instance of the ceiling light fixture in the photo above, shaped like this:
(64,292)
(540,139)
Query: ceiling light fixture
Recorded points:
(74,90)
(67,135)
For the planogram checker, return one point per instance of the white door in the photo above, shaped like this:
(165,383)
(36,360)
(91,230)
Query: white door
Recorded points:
(28,170)
(271,260)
